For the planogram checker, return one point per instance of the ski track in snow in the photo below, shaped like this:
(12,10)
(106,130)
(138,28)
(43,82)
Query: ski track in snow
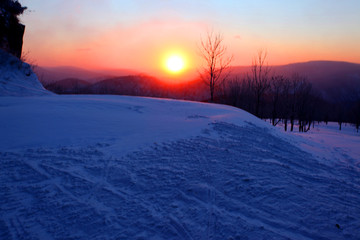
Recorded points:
(245,183)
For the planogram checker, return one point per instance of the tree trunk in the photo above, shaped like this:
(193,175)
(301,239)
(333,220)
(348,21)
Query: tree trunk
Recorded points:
(257,105)
(292,125)
(309,126)
(211,93)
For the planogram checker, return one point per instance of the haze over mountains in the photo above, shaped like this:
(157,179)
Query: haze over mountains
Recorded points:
(330,78)
(333,80)
(48,75)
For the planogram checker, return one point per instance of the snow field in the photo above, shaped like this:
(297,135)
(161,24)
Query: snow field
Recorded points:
(110,167)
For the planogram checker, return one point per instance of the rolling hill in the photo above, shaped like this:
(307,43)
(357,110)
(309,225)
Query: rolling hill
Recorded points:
(134,85)
(333,80)
(49,75)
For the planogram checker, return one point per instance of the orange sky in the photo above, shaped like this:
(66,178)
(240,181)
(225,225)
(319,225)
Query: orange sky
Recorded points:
(139,34)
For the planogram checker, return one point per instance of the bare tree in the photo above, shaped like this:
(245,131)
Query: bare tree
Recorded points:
(356,113)
(259,78)
(279,88)
(357,116)
(215,69)
(233,92)
(305,103)
(301,102)
(293,98)
(238,93)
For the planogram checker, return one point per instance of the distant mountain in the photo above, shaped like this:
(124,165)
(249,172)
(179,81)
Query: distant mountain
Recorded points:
(336,81)
(48,75)
(129,85)
(133,85)
(68,86)
(332,79)
(112,72)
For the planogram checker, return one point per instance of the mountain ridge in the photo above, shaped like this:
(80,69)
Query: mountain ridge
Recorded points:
(330,78)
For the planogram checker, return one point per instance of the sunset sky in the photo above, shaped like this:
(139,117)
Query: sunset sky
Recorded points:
(140,34)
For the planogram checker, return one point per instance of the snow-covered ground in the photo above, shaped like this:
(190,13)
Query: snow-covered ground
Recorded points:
(115,167)
(328,142)
(17,78)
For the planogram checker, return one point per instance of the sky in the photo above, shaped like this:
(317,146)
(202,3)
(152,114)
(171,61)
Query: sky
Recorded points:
(141,34)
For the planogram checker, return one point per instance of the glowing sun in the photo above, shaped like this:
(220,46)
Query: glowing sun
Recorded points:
(175,64)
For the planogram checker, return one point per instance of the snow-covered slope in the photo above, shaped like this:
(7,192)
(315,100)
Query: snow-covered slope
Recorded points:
(125,122)
(328,142)
(17,78)
(113,167)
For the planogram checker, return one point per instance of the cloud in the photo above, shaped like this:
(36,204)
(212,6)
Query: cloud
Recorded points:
(238,37)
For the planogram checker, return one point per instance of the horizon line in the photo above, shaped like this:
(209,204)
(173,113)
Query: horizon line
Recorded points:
(141,72)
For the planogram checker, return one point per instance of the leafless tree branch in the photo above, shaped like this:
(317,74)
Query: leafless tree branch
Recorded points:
(215,69)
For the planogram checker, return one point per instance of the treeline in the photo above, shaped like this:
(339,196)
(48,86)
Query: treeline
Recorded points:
(290,100)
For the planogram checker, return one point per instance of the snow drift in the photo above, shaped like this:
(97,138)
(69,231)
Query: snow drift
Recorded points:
(17,78)
(114,167)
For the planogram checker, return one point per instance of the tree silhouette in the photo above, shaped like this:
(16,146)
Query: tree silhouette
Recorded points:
(279,89)
(11,31)
(214,71)
(259,79)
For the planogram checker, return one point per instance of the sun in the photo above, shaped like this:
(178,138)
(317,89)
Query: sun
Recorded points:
(175,63)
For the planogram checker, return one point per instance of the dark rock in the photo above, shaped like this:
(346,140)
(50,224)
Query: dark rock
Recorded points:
(11,31)
(15,39)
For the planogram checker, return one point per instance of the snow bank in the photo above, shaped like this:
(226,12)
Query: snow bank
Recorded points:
(17,78)
(116,167)
(326,141)
(126,122)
